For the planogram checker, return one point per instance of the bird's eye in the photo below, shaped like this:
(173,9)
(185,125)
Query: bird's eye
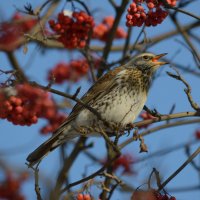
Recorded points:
(146,57)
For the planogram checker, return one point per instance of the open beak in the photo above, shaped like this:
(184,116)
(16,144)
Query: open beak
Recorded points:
(156,58)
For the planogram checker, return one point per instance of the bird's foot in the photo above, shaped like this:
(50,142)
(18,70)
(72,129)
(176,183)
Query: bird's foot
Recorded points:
(153,112)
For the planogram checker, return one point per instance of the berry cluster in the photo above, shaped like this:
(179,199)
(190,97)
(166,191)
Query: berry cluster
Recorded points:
(60,73)
(25,104)
(12,31)
(124,161)
(102,30)
(53,123)
(81,196)
(150,194)
(137,16)
(11,185)
(71,71)
(160,196)
(73,30)
(16,110)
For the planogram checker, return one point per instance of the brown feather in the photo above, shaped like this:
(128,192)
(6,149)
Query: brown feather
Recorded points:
(101,87)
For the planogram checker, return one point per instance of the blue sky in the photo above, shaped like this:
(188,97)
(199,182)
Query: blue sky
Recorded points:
(165,92)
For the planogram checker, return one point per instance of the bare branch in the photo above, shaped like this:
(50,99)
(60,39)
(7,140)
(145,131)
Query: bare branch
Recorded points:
(152,130)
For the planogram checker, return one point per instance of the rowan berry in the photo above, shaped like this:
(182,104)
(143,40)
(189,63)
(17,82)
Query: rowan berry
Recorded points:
(72,30)
(137,15)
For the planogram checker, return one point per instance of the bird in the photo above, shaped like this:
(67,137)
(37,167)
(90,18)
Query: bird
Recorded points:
(118,97)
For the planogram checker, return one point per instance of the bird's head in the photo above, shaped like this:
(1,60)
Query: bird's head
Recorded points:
(147,62)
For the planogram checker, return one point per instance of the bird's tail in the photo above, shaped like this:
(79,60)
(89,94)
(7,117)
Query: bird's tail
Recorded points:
(59,137)
(43,150)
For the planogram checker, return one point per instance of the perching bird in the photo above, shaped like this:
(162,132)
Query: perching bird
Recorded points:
(118,96)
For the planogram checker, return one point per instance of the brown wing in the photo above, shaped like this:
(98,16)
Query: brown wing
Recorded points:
(101,87)
(98,89)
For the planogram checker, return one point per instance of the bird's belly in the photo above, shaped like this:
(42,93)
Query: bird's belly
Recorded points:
(125,109)
(119,110)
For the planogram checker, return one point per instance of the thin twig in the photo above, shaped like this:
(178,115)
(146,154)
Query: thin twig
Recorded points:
(127,41)
(91,176)
(152,130)
(179,169)
(49,43)
(137,39)
(37,187)
(109,142)
(187,90)
(97,114)
(66,166)
(119,11)
(187,151)
(168,6)
(185,37)
(165,151)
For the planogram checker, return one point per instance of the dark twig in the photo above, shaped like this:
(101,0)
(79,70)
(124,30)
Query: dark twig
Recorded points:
(118,182)
(127,41)
(187,90)
(112,2)
(82,3)
(49,43)
(90,61)
(109,142)
(187,151)
(21,77)
(158,181)
(72,98)
(91,176)
(67,164)
(83,180)
(77,92)
(119,11)
(112,154)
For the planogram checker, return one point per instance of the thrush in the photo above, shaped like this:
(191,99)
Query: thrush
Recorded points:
(118,96)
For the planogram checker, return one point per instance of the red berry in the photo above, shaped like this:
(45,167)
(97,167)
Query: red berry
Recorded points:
(6,104)
(150,5)
(80,197)
(137,15)
(129,17)
(133,5)
(51,22)
(19,109)
(34,119)
(73,31)
(87,197)
(18,102)
(102,30)
(197,134)
(165,197)
(12,99)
